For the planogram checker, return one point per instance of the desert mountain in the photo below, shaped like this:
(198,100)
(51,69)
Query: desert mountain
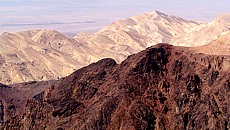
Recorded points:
(162,87)
(205,33)
(46,55)
(139,32)
(43,55)
(36,55)
(142,31)
(220,46)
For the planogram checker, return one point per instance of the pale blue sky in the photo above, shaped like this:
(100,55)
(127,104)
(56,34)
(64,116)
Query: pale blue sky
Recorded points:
(17,15)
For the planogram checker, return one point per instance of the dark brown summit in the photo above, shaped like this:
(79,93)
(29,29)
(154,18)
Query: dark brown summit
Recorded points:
(162,87)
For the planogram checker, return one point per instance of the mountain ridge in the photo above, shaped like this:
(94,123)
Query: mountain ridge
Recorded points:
(46,54)
(174,88)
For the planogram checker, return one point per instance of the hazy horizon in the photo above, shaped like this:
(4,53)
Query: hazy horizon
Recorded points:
(73,16)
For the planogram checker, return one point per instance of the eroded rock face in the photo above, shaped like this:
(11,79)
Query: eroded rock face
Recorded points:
(163,87)
(1,113)
(13,98)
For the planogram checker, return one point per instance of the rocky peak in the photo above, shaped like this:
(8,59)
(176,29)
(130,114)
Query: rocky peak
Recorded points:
(163,87)
(51,38)
(158,14)
(222,19)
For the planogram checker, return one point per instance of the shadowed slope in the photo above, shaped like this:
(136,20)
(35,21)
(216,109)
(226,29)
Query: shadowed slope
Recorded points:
(162,87)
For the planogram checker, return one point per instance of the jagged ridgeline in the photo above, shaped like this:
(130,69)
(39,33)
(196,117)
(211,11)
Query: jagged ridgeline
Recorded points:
(47,55)
(162,87)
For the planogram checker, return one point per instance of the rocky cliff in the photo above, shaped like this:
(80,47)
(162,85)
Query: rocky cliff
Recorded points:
(162,87)
(13,98)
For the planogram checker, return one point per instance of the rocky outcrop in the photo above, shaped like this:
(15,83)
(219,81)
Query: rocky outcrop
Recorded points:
(163,87)
(1,113)
(13,98)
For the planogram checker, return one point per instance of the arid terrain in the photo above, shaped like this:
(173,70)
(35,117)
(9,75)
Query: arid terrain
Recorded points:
(46,55)
(162,87)
(146,72)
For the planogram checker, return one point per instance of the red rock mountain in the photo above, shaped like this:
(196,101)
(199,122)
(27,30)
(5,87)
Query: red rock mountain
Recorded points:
(162,87)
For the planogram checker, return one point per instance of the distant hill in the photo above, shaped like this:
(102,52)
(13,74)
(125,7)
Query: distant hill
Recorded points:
(46,54)
(43,55)
(139,32)
(220,46)
(205,33)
